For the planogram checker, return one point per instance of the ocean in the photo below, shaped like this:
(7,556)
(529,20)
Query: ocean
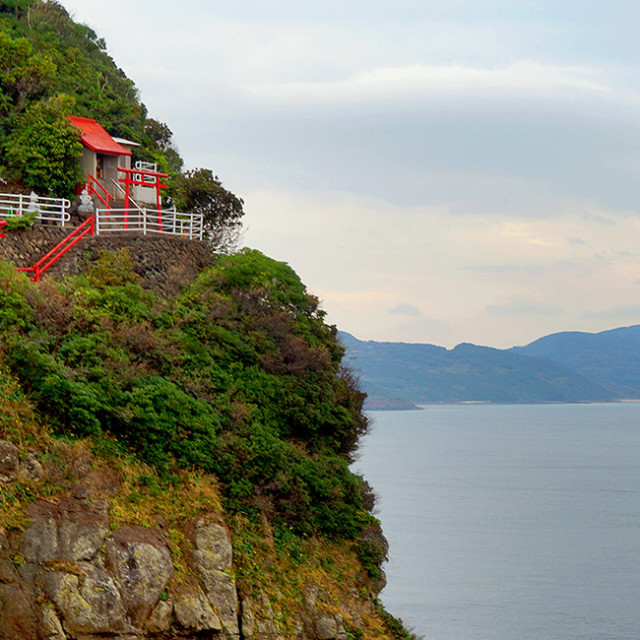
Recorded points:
(510,522)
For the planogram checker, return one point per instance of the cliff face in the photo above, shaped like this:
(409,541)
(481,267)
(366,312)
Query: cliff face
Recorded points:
(174,450)
(71,567)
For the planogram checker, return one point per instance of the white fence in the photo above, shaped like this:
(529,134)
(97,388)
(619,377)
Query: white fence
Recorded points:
(47,209)
(149,221)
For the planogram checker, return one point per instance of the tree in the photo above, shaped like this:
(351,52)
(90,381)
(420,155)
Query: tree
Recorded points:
(160,147)
(199,191)
(16,7)
(23,74)
(44,149)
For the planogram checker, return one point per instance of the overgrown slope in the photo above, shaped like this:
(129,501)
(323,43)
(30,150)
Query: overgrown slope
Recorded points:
(236,384)
(238,376)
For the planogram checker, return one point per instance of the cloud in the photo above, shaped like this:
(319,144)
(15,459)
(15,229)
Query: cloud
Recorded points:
(505,269)
(391,84)
(524,307)
(406,310)
(618,313)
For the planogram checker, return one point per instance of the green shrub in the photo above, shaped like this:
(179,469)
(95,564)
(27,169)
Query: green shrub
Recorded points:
(239,376)
(24,221)
(15,311)
(44,148)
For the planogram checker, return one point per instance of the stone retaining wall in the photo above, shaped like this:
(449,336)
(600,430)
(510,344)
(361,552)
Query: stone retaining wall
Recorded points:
(165,263)
(25,247)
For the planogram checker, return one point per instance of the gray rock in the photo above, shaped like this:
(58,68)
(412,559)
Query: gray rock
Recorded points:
(39,541)
(342,632)
(9,461)
(87,600)
(73,531)
(248,621)
(161,617)
(213,548)
(50,624)
(212,557)
(326,628)
(222,595)
(194,613)
(31,468)
(83,529)
(330,627)
(142,567)
(257,619)
(323,626)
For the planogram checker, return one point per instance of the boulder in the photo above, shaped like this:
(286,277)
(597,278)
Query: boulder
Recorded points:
(9,461)
(194,613)
(141,564)
(50,625)
(212,557)
(161,617)
(88,600)
(72,531)
(257,618)
(39,541)
(213,550)
(83,528)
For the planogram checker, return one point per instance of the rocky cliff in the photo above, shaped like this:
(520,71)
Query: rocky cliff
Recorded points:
(151,490)
(72,567)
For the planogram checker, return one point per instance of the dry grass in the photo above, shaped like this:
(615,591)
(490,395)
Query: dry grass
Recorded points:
(285,573)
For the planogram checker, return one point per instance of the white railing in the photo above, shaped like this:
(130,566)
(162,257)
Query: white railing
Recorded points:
(149,221)
(145,166)
(47,209)
(124,193)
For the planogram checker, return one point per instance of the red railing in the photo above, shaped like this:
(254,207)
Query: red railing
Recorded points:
(3,224)
(95,188)
(87,227)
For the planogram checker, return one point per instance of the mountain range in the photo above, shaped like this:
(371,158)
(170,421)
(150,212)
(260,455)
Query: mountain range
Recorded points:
(569,366)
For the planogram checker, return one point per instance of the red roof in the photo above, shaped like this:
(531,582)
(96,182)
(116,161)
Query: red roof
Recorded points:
(96,138)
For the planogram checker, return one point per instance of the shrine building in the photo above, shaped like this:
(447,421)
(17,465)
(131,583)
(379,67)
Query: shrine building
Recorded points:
(106,160)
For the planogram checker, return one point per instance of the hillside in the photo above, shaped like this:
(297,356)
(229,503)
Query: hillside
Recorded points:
(423,373)
(176,427)
(187,455)
(51,68)
(610,357)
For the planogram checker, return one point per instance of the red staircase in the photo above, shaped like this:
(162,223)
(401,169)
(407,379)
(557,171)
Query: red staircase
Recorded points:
(86,228)
(96,189)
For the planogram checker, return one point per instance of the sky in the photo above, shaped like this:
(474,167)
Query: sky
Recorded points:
(436,172)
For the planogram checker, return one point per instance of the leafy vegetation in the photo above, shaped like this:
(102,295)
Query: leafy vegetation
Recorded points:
(202,192)
(239,377)
(45,149)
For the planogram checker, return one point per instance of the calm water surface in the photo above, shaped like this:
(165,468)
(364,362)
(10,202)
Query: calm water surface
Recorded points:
(510,522)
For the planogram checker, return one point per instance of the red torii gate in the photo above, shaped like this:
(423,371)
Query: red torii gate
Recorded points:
(142,178)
